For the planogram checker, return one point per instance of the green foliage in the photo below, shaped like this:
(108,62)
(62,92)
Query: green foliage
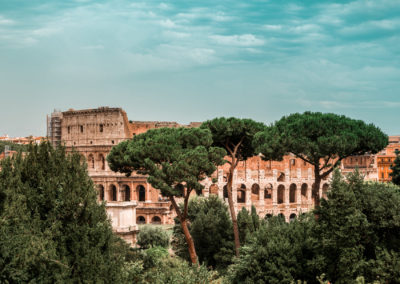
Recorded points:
(51,227)
(248,223)
(177,271)
(277,252)
(395,174)
(13,146)
(168,156)
(150,236)
(229,132)
(359,231)
(210,227)
(316,137)
(153,256)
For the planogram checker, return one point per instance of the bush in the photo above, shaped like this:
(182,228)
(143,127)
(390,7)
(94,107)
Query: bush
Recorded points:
(178,271)
(150,236)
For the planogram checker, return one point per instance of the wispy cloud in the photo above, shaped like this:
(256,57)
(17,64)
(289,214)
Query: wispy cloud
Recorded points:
(238,40)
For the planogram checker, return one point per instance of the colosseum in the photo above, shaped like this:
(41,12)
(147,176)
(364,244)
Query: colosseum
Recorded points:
(274,188)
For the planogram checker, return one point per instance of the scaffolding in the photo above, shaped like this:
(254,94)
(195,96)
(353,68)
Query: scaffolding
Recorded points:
(54,128)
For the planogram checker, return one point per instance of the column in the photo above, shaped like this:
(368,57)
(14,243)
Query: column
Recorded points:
(274,193)
(148,197)
(221,191)
(287,191)
(261,196)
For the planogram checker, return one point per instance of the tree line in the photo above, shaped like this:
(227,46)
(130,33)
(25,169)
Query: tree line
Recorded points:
(53,230)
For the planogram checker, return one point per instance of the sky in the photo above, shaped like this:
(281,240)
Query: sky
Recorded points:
(187,60)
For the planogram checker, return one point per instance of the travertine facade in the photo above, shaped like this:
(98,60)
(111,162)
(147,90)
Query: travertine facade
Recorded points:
(272,187)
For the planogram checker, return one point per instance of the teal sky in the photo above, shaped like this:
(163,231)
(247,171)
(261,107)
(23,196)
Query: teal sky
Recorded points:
(194,60)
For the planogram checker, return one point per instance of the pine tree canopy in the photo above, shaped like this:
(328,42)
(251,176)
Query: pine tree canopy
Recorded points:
(51,227)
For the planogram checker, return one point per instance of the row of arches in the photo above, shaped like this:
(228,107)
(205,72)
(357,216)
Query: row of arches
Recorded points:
(281,190)
(111,194)
(156,220)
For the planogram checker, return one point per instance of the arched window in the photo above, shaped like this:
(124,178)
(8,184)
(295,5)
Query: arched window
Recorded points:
(91,161)
(292,193)
(241,194)
(281,194)
(141,220)
(101,192)
(113,193)
(156,220)
(127,193)
(268,216)
(255,192)
(281,216)
(292,217)
(141,193)
(268,191)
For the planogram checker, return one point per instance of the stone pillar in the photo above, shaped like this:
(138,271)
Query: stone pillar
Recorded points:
(220,176)
(309,174)
(221,191)
(287,175)
(299,173)
(287,191)
(275,174)
(274,193)
(248,196)
(248,175)
(148,197)
(298,195)
(262,175)
(261,196)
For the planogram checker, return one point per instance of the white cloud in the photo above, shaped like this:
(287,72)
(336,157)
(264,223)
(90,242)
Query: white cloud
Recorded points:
(238,40)
(93,47)
(5,21)
(273,27)
(46,31)
(167,24)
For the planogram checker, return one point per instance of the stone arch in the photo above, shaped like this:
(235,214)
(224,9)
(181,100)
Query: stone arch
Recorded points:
(292,217)
(268,191)
(102,162)
(214,189)
(141,220)
(100,188)
(281,194)
(225,191)
(127,192)
(292,193)
(280,215)
(91,161)
(255,192)
(113,193)
(156,220)
(325,189)
(241,194)
(268,216)
(141,193)
(304,188)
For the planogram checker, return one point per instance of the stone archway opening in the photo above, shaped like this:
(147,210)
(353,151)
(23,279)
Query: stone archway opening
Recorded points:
(156,220)
(140,220)
(113,193)
(255,192)
(281,194)
(101,192)
(292,193)
(241,194)
(292,217)
(127,192)
(141,192)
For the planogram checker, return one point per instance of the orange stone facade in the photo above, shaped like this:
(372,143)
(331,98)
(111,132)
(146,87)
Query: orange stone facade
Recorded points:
(273,187)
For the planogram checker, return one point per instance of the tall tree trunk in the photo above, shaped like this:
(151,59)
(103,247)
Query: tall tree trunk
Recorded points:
(317,184)
(232,210)
(183,220)
(189,241)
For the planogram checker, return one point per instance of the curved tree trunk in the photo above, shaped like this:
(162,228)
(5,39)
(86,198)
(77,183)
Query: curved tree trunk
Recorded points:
(189,241)
(317,184)
(232,210)
(186,232)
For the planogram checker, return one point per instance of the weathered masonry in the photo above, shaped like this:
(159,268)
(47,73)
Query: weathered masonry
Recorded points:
(273,187)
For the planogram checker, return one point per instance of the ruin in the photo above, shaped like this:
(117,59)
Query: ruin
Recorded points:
(274,188)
